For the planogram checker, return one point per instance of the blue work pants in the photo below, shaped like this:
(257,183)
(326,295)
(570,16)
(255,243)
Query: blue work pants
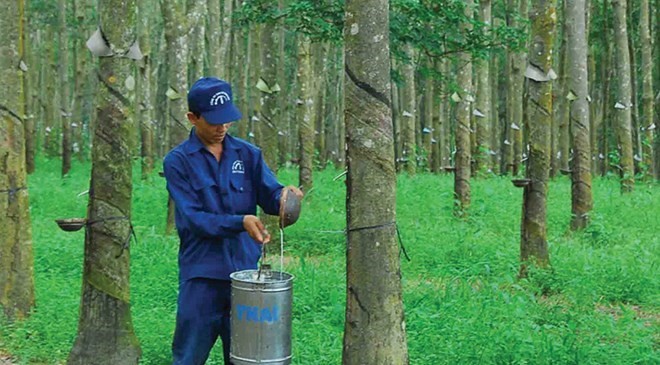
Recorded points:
(202,315)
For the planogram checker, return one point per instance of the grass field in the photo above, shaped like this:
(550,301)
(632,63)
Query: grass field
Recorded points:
(600,303)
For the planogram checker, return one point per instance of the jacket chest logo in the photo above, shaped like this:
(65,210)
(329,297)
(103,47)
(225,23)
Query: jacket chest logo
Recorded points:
(237,167)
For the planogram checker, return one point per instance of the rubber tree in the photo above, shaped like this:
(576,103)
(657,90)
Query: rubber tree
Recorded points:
(647,84)
(623,104)
(482,109)
(64,89)
(105,328)
(534,241)
(374,331)
(463,157)
(176,36)
(408,112)
(143,105)
(516,60)
(304,114)
(578,96)
(16,257)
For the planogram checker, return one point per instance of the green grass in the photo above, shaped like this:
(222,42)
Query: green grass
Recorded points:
(599,304)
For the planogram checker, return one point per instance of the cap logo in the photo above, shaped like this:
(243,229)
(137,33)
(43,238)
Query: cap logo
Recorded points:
(220,97)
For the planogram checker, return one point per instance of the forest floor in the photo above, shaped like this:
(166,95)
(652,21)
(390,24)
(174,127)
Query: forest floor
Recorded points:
(464,304)
(5,359)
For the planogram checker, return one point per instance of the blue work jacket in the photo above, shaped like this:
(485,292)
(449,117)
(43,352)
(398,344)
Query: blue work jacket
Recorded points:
(211,199)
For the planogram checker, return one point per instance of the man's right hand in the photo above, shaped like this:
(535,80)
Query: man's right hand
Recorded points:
(256,229)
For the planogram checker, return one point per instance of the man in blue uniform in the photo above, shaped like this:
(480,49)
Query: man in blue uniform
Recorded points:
(216,182)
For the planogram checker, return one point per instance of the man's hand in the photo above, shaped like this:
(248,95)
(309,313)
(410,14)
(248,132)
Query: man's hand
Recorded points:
(256,229)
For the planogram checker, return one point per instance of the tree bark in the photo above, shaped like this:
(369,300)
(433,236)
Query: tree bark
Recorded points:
(319,56)
(220,35)
(582,201)
(648,106)
(375,329)
(463,157)
(560,156)
(51,117)
(240,77)
(304,114)
(495,129)
(176,31)
(269,116)
(29,107)
(253,78)
(105,328)
(143,92)
(516,65)
(63,71)
(657,97)
(623,103)
(634,99)
(482,109)
(408,159)
(196,35)
(429,107)
(534,243)
(16,257)
(437,120)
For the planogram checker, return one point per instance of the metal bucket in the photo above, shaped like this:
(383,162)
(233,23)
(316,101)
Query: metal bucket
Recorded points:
(261,317)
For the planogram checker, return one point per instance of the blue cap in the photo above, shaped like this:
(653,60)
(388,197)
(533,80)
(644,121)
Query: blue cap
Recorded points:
(213,99)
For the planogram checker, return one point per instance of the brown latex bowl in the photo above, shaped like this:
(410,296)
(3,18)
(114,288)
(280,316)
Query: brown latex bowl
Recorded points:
(71,224)
(521,183)
(289,208)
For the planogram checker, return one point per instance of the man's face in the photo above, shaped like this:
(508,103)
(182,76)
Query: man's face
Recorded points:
(208,133)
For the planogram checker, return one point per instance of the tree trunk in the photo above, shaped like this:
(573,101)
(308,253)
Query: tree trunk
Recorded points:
(341,116)
(269,117)
(396,119)
(408,159)
(429,107)
(594,105)
(437,120)
(375,329)
(623,103)
(29,107)
(496,130)
(482,110)
(16,258)
(51,128)
(162,102)
(657,98)
(143,92)
(445,119)
(176,36)
(63,71)
(253,78)
(602,133)
(463,132)
(80,62)
(225,40)
(105,328)
(582,201)
(304,114)
(517,61)
(534,242)
(634,99)
(196,35)
(648,113)
(319,54)
(240,76)
(220,35)
(561,156)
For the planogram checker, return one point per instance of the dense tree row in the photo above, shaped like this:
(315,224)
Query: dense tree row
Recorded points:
(285,59)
